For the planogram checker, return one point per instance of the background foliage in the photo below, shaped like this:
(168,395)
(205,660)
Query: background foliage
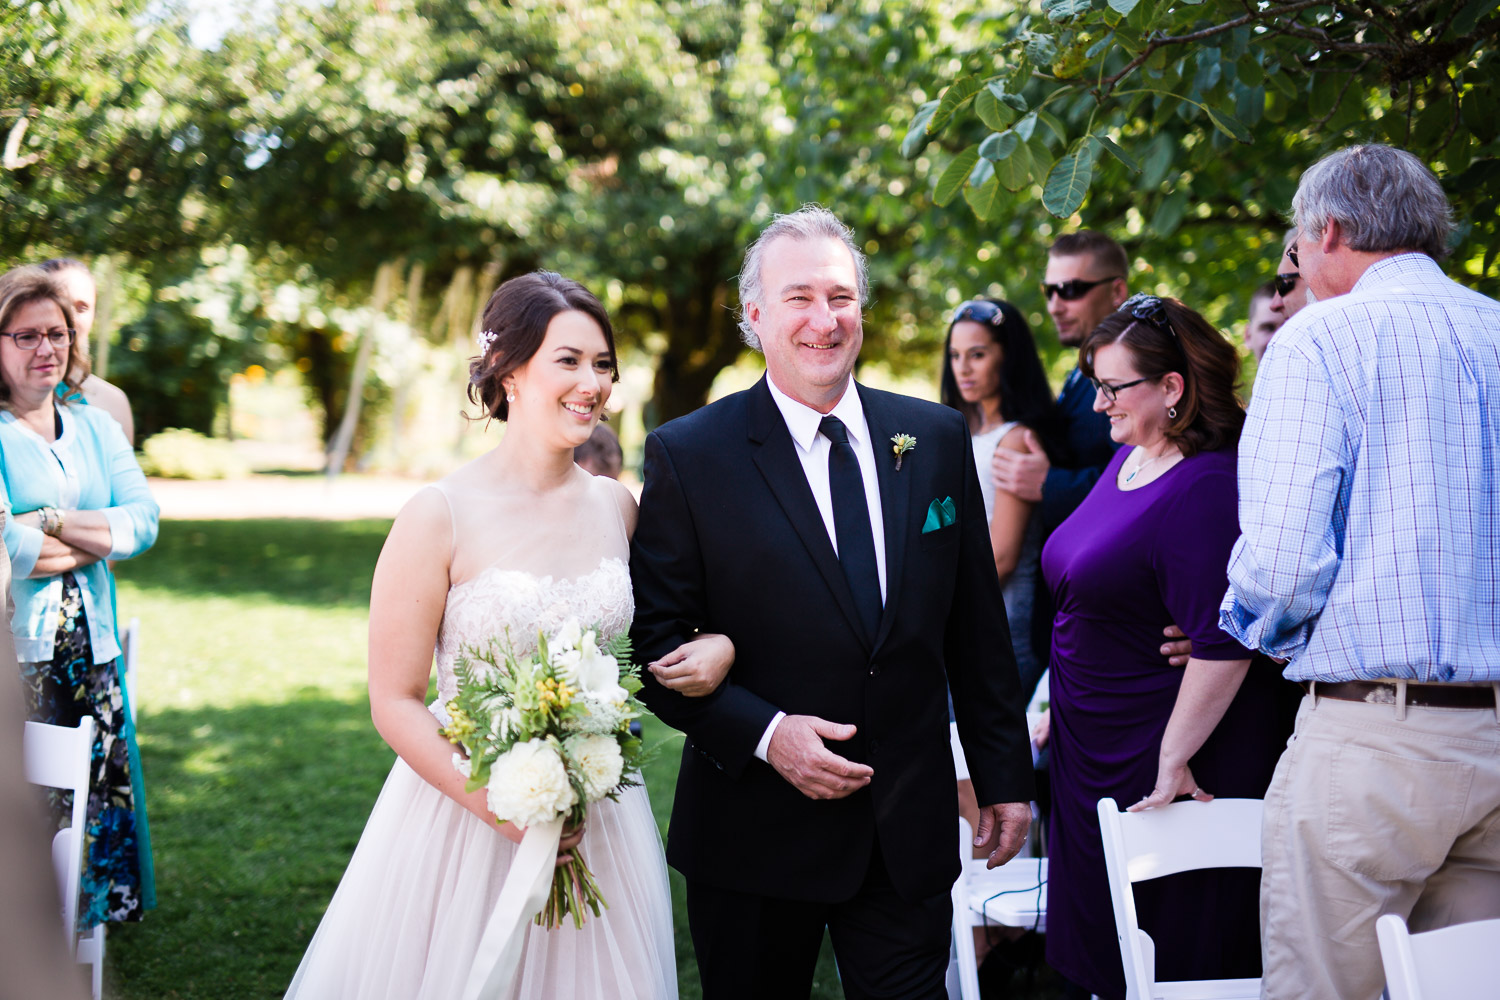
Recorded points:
(278,182)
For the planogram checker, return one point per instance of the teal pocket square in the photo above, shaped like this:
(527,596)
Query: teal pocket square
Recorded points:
(940,514)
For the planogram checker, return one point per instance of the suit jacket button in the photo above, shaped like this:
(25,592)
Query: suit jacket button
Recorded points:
(875,671)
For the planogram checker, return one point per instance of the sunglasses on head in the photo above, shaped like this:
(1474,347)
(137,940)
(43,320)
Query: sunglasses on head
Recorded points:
(1286,283)
(979,311)
(1077,288)
(1148,309)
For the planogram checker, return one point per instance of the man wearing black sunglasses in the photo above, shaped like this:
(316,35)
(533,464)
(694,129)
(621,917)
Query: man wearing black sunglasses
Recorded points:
(1085,282)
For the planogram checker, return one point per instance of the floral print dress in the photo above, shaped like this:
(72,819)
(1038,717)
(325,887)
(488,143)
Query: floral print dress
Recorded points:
(61,692)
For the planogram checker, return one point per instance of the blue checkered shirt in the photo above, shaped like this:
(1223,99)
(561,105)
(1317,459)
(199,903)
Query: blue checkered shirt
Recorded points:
(1369,486)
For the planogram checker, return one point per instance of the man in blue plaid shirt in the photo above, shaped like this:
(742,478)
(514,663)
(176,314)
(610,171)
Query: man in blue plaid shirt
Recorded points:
(1369,478)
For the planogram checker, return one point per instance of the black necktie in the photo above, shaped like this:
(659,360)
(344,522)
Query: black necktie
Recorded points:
(851,524)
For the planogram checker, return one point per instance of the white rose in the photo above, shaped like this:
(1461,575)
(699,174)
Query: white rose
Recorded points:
(599,763)
(529,785)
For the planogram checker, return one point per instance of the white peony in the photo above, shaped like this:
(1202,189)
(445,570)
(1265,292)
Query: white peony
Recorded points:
(599,763)
(529,784)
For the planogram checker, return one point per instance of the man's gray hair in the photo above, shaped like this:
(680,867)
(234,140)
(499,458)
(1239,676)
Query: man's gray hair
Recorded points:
(1383,199)
(807,223)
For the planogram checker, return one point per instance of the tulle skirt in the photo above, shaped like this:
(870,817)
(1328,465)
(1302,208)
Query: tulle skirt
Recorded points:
(408,915)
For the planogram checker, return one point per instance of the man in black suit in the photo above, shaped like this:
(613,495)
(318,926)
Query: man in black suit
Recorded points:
(855,579)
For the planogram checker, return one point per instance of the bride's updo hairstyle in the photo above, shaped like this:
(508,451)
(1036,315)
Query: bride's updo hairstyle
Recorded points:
(514,326)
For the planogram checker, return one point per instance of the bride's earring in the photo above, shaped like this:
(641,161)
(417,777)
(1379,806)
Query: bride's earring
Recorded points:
(510,394)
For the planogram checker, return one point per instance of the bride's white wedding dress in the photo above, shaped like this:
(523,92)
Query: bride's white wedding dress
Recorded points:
(408,915)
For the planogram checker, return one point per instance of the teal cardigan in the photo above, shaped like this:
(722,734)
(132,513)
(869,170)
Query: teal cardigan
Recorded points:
(92,456)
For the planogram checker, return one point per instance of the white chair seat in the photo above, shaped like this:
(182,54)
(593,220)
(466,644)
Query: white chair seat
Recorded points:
(1450,963)
(1209,989)
(1014,895)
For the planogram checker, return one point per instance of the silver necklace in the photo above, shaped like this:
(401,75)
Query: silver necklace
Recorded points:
(1130,476)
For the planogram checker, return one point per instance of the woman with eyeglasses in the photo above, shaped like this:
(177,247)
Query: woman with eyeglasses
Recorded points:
(1147,548)
(74,498)
(993,376)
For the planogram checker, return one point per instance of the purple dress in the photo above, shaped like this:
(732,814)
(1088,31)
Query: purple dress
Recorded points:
(1123,567)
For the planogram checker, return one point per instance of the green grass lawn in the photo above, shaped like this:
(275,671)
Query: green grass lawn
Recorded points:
(260,759)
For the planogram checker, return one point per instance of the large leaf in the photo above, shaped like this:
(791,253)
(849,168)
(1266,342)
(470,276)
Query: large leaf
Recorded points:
(1228,124)
(984,200)
(1026,126)
(1123,7)
(916,135)
(992,111)
(956,96)
(999,145)
(953,178)
(1014,172)
(1061,10)
(1068,183)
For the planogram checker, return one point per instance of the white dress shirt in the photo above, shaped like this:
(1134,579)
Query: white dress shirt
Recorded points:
(812,450)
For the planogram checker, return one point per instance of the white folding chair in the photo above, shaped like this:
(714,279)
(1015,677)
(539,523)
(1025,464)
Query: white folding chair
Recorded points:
(61,757)
(1451,963)
(1013,895)
(130,647)
(1184,836)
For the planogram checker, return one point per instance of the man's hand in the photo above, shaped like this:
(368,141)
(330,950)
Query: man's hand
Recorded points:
(1021,473)
(695,668)
(1008,823)
(798,755)
(1177,652)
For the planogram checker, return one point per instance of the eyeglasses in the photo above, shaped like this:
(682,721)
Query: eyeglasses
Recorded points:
(1111,391)
(979,311)
(29,340)
(1286,283)
(1148,309)
(1077,288)
(1291,255)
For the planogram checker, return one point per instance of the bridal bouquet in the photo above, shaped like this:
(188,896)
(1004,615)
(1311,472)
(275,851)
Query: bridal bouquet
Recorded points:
(547,734)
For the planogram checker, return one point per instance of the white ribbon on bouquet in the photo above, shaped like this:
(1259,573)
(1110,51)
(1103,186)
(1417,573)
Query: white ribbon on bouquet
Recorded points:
(527,885)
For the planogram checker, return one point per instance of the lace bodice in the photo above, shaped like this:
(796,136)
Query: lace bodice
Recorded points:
(496,599)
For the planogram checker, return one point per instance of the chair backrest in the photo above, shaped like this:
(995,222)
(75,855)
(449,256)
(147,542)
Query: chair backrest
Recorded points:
(60,757)
(1184,836)
(1450,963)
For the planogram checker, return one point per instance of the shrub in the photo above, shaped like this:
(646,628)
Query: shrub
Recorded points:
(177,453)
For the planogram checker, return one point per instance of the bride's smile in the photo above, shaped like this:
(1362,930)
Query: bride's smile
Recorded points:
(571,372)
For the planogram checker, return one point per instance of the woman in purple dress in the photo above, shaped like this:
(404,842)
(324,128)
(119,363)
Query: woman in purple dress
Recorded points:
(1146,549)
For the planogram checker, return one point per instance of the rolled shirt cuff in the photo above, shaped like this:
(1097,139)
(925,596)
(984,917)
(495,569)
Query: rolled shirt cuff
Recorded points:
(121,534)
(764,746)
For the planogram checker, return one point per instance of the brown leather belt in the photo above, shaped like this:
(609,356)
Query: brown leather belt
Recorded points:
(1417,695)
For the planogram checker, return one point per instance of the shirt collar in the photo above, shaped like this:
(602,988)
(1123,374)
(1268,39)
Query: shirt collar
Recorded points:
(802,420)
(1401,267)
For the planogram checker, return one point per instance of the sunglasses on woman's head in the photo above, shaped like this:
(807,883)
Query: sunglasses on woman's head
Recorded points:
(1071,291)
(1148,309)
(979,311)
(1286,283)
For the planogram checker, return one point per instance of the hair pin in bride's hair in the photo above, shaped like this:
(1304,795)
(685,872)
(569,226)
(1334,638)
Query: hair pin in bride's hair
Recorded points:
(486,338)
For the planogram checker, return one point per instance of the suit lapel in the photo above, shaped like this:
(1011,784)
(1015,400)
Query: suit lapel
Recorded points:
(775,455)
(895,501)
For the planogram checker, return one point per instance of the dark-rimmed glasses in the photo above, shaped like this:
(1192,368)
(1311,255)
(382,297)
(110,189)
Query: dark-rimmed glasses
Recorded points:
(1286,283)
(979,311)
(1291,255)
(1074,289)
(1111,391)
(29,340)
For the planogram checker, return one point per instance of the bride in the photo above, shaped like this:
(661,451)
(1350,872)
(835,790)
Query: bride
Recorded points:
(520,539)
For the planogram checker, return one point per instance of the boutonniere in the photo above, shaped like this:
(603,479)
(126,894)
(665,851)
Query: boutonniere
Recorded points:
(901,444)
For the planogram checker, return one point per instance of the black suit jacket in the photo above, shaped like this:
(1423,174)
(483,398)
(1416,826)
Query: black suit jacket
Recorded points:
(730,540)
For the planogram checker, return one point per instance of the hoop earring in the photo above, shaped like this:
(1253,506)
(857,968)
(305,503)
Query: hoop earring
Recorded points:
(1171,413)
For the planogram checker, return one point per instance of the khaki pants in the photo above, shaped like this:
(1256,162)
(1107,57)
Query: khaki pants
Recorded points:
(1374,809)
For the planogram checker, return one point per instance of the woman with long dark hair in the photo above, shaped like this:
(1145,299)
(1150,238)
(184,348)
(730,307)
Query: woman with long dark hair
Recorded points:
(993,376)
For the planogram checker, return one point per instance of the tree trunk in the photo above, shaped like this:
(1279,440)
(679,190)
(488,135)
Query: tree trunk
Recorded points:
(338,452)
(703,338)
